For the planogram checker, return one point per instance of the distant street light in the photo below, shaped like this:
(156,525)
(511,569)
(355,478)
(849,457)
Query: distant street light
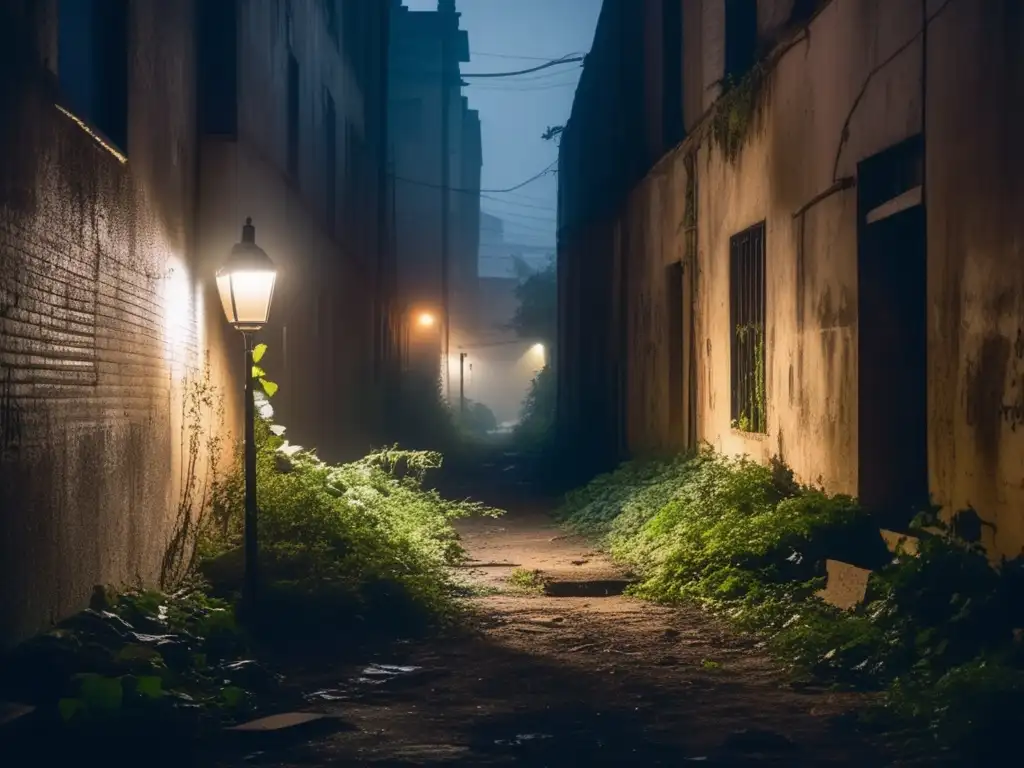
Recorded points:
(246,287)
(426,320)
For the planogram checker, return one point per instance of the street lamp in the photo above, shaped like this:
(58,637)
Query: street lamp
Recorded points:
(246,287)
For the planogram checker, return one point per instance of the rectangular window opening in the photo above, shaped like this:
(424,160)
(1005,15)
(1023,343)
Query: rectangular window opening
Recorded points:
(740,38)
(92,65)
(747,330)
(293,116)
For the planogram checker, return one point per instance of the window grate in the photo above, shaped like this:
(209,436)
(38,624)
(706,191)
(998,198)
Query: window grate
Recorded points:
(747,328)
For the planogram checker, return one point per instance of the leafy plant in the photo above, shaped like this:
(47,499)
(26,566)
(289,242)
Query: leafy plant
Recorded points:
(201,442)
(358,544)
(537,414)
(524,580)
(940,629)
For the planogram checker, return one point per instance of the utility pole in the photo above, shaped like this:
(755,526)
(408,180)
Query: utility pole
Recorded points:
(462,382)
(447,11)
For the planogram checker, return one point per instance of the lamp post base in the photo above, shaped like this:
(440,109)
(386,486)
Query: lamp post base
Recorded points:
(251,583)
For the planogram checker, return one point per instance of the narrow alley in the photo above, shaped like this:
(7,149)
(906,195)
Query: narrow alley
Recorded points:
(511,382)
(567,671)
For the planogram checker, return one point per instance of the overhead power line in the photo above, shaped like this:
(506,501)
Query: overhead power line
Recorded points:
(549,169)
(519,56)
(538,68)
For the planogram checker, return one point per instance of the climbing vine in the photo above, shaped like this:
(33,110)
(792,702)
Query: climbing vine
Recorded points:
(739,109)
(201,442)
(753,413)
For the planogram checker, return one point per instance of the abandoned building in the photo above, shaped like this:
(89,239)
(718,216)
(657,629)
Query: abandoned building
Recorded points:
(792,229)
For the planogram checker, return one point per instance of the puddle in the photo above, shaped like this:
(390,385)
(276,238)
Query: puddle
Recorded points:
(521,739)
(603,588)
(372,675)
(328,694)
(375,674)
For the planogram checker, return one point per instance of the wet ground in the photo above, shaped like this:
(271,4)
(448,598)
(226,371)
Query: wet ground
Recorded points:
(568,674)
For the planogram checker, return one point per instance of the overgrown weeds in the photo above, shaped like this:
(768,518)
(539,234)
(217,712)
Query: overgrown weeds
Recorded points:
(356,547)
(176,660)
(525,580)
(936,633)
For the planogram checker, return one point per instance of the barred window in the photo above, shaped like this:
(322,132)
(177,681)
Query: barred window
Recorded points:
(747,325)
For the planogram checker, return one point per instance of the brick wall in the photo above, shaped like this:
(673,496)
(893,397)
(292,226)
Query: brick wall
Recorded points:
(98,319)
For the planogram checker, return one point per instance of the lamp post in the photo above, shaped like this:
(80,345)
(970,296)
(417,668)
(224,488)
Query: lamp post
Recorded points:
(246,287)
(462,383)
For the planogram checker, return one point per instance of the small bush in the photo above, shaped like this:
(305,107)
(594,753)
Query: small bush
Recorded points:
(354,545)
(537,414)
(937,632)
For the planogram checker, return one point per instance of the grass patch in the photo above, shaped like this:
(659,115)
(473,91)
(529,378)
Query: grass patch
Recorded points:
(744,540)
(526,580)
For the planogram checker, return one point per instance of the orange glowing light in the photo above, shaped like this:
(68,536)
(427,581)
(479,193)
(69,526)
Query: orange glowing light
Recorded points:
(425,320)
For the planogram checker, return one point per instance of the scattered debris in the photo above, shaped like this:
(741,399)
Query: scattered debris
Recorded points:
(583,647)
(11,711)
(522,738)
(279,722)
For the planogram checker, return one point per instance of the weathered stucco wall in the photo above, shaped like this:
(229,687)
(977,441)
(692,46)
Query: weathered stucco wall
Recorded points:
(974,197)
(98,319)
(321,330)
(849,89)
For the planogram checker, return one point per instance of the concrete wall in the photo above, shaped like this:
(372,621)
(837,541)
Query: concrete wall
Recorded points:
(862,80)
(416,146)
(975,80)
(322,326)
(109,320)
(99,317)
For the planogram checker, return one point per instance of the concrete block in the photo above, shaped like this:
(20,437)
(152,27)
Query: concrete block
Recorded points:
(846,586)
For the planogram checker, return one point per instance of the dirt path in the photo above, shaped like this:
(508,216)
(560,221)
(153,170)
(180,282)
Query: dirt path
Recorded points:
(581,676)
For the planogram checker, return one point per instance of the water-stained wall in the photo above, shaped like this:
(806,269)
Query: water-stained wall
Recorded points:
(859,78)
(99,317)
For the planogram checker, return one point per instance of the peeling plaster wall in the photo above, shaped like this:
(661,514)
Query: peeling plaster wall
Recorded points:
(975,195)
(99,319)
(869,54)
(811,291)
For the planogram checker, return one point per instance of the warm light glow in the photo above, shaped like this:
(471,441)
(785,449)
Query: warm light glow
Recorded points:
(425,320)
(246,297)
(538,355)
(178,308)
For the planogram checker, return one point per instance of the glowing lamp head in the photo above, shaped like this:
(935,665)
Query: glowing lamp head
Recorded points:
(425,320)
(246,283)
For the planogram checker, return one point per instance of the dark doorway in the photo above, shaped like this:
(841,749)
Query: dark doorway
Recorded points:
(892,299)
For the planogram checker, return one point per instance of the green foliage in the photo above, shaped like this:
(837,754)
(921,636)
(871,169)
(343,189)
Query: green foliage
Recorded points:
(536,317)
(140,654)
(737,112)
(937,632)
(477,419)
(200,440)
(537,415)
(363,542)
(421,416)
(524,580)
